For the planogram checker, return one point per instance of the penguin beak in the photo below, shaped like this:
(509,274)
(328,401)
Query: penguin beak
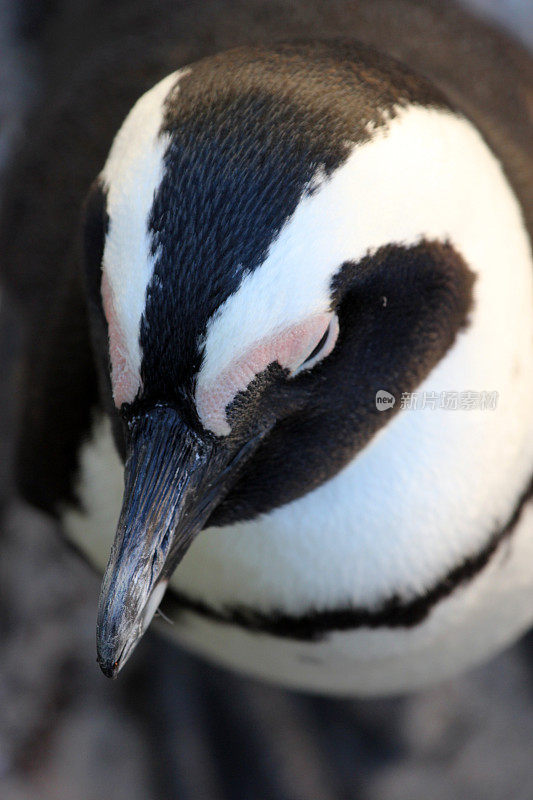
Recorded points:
(174,478)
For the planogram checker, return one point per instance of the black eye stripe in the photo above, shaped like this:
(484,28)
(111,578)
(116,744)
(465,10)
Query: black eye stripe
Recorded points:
(319,346)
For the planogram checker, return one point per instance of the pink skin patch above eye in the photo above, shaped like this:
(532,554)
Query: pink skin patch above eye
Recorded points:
(125,380)
(289,347)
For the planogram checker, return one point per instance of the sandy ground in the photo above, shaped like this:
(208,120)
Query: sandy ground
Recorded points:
(67,733)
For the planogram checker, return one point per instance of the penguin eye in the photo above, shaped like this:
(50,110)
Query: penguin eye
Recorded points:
(295,349)
(322,348)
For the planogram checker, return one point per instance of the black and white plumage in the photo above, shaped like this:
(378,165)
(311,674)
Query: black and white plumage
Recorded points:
(315,195)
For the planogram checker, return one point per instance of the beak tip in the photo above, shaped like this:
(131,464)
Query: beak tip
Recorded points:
(109,657)
(109,668)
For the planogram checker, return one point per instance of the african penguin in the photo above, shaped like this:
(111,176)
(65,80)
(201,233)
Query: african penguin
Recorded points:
(304,388)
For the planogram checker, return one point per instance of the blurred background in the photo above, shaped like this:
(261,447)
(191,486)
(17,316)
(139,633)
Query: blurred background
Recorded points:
(173,726)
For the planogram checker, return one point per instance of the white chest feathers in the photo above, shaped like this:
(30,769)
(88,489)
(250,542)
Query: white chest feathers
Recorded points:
(337,547)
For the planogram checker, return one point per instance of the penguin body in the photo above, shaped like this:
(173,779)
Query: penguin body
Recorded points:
(280,233)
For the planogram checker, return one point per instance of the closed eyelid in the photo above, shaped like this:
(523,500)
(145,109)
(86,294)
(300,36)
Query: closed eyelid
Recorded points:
(319,346)
(322,349)
(290,348)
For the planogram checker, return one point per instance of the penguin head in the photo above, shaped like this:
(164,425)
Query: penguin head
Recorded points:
(270,243)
